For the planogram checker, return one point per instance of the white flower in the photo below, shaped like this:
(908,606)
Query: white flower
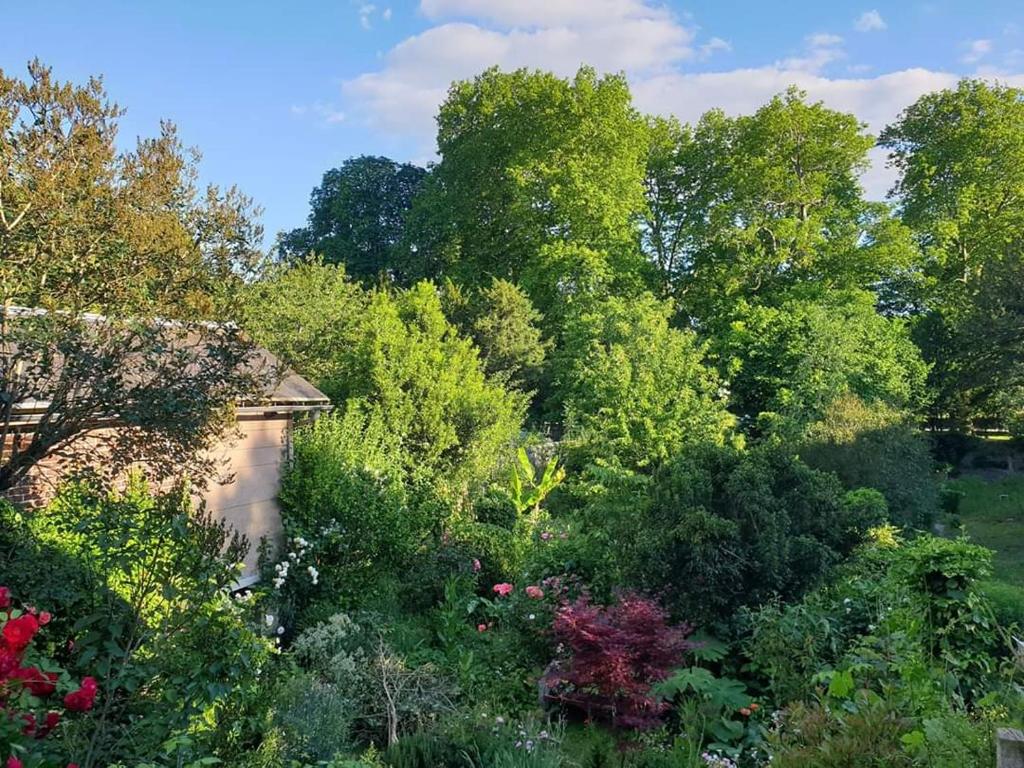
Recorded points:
(280,630)
(314,574)
(269,619)
(532,616)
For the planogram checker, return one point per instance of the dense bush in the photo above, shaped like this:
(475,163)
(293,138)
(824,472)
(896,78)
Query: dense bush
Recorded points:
(32,687)
(737,527)
(796,359)
(616,655)
(632,387)
(876,447)
(153,620)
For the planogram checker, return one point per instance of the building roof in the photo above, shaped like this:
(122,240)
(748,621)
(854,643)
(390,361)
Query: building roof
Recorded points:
(289,388)
(283,387)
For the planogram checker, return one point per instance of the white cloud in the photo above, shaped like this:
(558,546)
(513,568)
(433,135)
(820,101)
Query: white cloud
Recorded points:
(556,35)
(821,49)
(976,51)
(386,15)
(869,21)
(715,44)
(365,14)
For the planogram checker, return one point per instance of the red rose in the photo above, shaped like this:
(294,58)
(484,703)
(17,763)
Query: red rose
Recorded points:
(19,632)
(30,724)
(5,597)
(82,699)
(49,723)
(39,683)
(44,618)
(13,762)
(8,662)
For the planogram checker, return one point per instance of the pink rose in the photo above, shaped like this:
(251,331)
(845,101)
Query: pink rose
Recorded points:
(534,592)
(504,589)
(476,565)
(481,627)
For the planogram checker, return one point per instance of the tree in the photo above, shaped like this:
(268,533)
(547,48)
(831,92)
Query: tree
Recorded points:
(529,159)
(960,154)
(757,206)
(505,327)
(737,527)
(876,446)
(306,314)
(357,218)
(84,229)
(796,359)
(409,368)
(633,388)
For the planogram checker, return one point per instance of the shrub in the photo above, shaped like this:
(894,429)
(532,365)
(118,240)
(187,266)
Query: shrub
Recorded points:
(156,624)
(411,371)
(876,447)
(616,654)
(633,388)
(737,527)
(361,520)
(32,685)
(944,578)
(813,736)
(315,719)
(385,694)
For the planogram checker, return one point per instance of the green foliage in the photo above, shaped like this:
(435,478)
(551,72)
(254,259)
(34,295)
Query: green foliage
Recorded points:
(410,369)
(383,694)
(797,358)
(876,447)
(346,495)
(129,236)
(307,315)
(529,486)
(633,388)
(357,218)
(505,327)
(528,159)
(959,153)
(760,205)
(153,620)
(739,527)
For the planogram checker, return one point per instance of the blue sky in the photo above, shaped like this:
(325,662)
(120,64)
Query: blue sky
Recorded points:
(274,93)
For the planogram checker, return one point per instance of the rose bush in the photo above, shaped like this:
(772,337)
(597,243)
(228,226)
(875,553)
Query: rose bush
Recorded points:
(30,710)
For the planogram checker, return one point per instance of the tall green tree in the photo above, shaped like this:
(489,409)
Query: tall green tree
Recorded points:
(306,314)
(505,326)
(793,361)
(357,218)
(757,206)
(633,389)
(529,159)
(960,154)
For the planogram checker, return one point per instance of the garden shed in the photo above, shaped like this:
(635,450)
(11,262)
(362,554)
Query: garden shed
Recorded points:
(249,459)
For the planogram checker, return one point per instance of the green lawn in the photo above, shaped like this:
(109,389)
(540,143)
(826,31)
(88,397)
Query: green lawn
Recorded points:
(993,514)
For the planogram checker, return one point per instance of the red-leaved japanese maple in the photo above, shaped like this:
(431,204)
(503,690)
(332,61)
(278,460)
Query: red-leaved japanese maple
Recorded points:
(614,655)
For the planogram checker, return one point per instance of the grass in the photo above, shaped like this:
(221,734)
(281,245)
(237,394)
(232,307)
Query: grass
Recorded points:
(993,514)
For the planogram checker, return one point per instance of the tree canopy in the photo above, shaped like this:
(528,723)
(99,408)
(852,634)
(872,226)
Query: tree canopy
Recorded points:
(357,218)
(960,155)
